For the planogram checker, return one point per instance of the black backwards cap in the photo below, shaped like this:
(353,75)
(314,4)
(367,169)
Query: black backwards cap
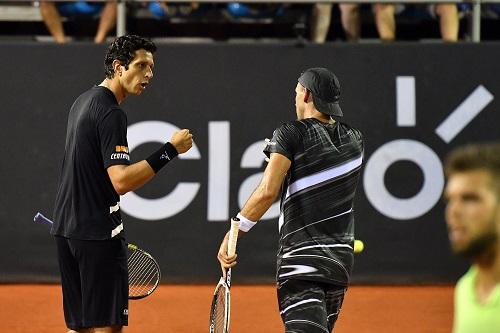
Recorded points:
(325,89)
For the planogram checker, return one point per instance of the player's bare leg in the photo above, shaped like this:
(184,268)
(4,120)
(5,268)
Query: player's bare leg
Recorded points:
(349,15)
(107,21)
(52,20)
(321,17)
(448,21)
(385,21)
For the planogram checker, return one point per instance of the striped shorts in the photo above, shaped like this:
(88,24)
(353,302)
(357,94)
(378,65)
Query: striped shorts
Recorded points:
(309,306)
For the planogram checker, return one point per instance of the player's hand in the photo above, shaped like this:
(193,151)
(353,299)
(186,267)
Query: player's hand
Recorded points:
(182,140)
(225,261)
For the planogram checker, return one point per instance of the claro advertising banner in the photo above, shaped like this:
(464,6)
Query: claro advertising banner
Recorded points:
(413,103)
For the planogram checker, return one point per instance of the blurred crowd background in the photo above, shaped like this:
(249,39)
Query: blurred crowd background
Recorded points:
(309,22)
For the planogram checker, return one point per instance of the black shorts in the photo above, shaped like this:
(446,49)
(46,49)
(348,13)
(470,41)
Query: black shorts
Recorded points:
(309,306)
(94,281)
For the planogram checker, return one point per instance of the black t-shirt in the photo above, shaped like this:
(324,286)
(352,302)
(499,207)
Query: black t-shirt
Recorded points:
(317,216)
(87,207)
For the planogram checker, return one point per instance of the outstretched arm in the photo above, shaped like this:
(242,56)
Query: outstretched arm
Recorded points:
(126,178)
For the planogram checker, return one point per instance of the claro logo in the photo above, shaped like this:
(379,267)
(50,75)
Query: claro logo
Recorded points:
(416,152)
(184,192)
(374,171)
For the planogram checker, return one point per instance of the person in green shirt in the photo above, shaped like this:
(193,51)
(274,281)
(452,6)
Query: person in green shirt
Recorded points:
(472,213)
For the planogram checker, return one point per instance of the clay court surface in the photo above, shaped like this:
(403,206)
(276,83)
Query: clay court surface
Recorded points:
(185,309)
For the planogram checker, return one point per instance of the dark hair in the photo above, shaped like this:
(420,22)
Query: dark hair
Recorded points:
(479,156)
(123,49)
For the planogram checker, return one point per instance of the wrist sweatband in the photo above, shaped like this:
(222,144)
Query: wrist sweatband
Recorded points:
(162,156)
(245,224)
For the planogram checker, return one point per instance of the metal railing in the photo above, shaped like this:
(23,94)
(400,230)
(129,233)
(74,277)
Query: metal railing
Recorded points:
(475,29)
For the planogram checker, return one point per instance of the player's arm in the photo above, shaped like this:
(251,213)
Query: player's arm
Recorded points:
(126,178)
(259,202)
(267,191)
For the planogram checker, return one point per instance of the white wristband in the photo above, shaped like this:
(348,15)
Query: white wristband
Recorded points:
(245,224)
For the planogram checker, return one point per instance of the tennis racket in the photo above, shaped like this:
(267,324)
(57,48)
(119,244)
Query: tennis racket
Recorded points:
(221,302)
(143,271)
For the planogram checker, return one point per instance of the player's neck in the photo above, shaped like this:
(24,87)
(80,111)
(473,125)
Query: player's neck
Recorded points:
(115,87)
(321,117)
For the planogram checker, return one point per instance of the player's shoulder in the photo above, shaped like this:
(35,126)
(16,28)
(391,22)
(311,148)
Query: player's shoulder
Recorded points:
(113,114)
(94,92)
(293,126)
(353,131)
(101,96)
(109,113)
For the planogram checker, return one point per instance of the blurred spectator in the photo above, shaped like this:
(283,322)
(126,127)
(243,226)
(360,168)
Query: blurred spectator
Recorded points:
(162,9)
(385,21)
(254,11)
(350,18)
(52,13)
(447,13)
(321,19)
(472,214)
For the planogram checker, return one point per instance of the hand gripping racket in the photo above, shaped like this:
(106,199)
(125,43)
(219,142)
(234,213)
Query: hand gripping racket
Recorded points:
(221,302)
(143,271)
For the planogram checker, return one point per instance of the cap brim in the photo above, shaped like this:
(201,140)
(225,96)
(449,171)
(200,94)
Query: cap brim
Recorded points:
(331,109)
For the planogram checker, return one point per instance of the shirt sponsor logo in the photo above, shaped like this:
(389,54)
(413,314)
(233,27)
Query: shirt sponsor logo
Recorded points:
(121,149)
(120,156)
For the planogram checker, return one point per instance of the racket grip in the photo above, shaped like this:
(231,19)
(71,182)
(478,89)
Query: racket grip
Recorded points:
(233,236)
(39,218)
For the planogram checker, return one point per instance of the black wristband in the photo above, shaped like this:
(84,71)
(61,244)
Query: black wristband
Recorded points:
(162,156)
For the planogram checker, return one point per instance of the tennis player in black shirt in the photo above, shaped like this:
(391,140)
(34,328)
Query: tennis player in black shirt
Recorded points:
(316,161)
(96,170)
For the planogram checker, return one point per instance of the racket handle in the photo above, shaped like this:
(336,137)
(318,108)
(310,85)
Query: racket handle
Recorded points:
(39,218)
(233,236)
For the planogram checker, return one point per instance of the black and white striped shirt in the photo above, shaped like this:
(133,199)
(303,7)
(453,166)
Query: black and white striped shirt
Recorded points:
(317,218)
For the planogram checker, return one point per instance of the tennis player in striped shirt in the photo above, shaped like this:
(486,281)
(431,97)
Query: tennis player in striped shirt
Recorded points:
(316,162)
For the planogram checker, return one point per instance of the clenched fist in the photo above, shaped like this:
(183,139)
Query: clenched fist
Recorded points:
(182,140)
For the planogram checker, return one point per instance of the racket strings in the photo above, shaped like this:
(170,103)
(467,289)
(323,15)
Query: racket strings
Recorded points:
(143,274)
(142,285)
(219,314)
(140,266)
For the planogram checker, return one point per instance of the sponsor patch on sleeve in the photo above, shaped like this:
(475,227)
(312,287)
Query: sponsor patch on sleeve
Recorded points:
(121,153)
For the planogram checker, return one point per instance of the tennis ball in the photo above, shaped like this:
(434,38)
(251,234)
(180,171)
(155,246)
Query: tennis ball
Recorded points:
(358,246)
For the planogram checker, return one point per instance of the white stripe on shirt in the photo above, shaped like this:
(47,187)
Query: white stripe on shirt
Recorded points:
(114,208)
(117,230)
(322,176)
